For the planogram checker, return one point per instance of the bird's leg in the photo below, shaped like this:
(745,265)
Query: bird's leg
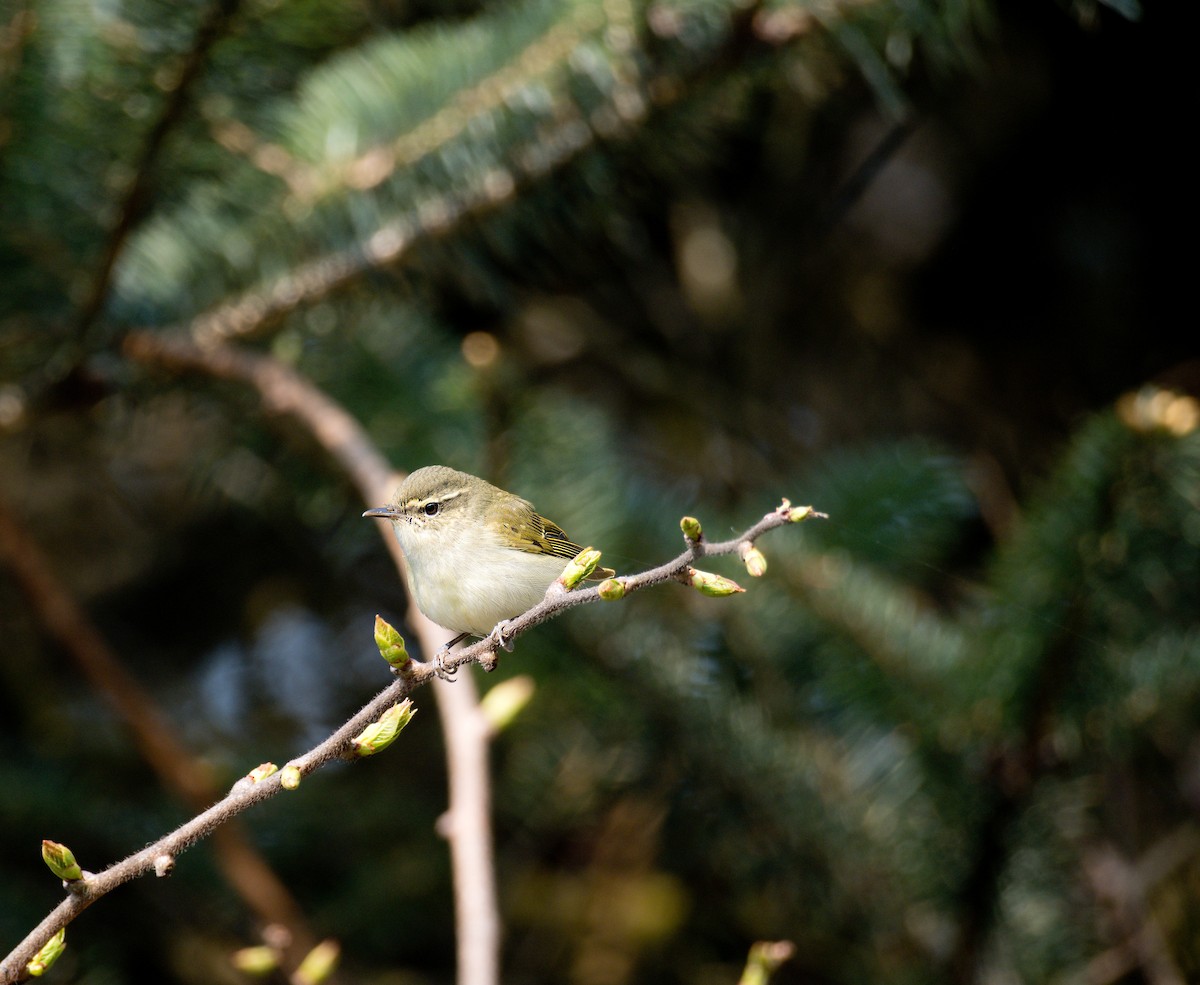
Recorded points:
(439,658)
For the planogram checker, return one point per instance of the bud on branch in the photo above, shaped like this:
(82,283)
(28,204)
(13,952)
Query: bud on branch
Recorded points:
(390,643)
(382,733)
(50,952)
(706,583)
(579,567)
(61,861)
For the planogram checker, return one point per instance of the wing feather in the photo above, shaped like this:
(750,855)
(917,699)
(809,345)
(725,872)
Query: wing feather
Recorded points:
(520,525)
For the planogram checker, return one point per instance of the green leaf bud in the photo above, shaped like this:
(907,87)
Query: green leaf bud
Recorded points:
(61,861)
(49,953)
(715,586)
(380,734)
(579,567)
(611,589)
(764,959)
(261,772)
(754,559)
(289,777)
(390,643)
(691,528)
(797,514)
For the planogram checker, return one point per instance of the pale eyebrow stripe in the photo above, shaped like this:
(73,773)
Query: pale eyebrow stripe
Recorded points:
(445,497)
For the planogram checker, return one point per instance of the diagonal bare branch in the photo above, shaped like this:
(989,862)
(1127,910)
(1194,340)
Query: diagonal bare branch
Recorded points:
(241,864)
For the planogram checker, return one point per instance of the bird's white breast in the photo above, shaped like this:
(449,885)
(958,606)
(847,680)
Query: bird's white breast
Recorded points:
(467,581)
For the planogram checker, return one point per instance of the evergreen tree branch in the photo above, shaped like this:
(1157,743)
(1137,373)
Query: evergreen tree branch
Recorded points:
(435,215)
(133,204)
(310,281)
(546,53)
(567,132)
(564,133)
(1035,650)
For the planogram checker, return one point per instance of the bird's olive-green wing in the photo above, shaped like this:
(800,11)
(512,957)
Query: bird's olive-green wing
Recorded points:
(519,524)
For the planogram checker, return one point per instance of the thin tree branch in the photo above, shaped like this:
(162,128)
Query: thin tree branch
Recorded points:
(244,794)
(559,599)
(239,862)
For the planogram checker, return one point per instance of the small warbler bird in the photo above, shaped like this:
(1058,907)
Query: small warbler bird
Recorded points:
(477,555)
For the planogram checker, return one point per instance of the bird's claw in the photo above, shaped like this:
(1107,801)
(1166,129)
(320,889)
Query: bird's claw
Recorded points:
(497,636)
(439,664)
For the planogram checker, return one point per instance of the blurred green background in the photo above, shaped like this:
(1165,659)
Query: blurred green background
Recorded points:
(902,260)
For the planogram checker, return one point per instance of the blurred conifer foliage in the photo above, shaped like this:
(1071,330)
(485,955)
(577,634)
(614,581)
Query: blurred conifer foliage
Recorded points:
(630,260)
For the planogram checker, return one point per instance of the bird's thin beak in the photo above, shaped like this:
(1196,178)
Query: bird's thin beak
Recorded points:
(384,512)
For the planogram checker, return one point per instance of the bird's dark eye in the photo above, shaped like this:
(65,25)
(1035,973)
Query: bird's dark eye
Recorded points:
(431,509)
